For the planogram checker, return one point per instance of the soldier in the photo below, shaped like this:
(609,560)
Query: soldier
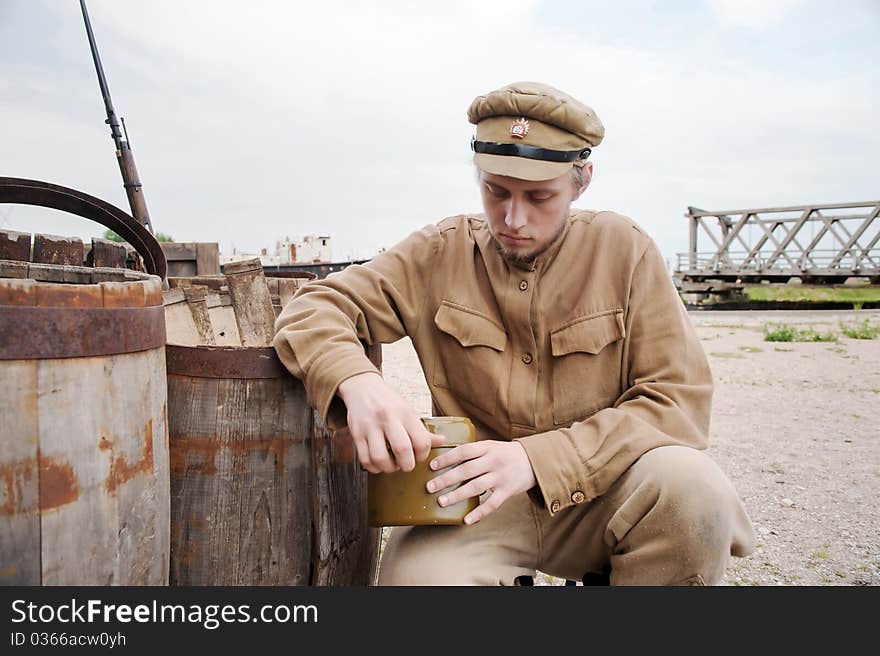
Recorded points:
(559,333)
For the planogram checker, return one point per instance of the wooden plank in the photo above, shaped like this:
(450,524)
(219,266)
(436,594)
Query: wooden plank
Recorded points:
(137,441)
(793,208)
(269,491)
(207,259)
(105,274)
(195,299)
(272,284)
(195,491)
(18,292)
(172,296)
(52,249)
(251,302)
(182,268)
(123,294)
(12,269)
(15,246)
(19,475)
(223,320)
(178,251)
(105,253)
(77,516)
(345,547)
(60,273)
(153,291)
(212,282)
(287,287)
(69,296)
(134,261)
(180,328)
(240,482)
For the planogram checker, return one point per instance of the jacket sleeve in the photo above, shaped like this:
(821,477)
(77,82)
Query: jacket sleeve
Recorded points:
(319,333)
(666,400)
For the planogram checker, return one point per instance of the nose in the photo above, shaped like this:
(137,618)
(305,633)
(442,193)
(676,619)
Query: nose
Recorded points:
(515,218)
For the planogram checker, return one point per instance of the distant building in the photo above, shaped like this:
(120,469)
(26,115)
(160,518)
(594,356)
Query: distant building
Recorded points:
(311,249)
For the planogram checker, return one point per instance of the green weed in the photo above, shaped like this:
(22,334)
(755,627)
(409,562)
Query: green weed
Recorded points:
(863,330)
(786,333)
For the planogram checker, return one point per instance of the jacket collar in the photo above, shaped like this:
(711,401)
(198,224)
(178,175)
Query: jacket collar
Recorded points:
(487,246)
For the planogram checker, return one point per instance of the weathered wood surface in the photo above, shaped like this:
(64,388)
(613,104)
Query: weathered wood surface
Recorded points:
(12,269)
(192,258)
(346,548)
(287,287)
(207,259)
(217,283)
(19,475)
(15,245)
(261,493)
(195,298)
(84,454)
(81,275)
(52,249)
(240,477)
(251,302)
(180,326)
(105,253)
(223,319)
(67,259)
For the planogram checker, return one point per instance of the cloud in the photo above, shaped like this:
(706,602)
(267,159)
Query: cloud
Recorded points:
(251,121)
(753,14)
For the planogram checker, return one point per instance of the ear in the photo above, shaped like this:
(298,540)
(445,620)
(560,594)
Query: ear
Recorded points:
(588,177)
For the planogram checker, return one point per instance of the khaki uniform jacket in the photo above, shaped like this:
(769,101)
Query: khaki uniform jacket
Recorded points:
(587,356)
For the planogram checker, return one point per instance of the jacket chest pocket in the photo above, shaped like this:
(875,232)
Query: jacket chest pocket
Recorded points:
(470,355)
(585,373)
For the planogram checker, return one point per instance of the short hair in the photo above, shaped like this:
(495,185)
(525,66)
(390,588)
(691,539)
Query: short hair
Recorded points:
(578,177)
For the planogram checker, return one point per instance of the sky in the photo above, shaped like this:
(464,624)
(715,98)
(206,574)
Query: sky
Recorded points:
(252,121)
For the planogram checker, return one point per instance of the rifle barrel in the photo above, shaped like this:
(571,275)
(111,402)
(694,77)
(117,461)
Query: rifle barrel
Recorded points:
(124,156)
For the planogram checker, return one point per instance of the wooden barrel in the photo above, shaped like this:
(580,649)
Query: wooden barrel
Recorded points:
(261,492)
(84,483)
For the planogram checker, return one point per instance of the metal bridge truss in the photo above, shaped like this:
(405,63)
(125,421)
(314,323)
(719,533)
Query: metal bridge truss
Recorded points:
(816,243)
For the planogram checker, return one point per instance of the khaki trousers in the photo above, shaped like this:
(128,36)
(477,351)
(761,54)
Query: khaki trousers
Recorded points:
(672,518)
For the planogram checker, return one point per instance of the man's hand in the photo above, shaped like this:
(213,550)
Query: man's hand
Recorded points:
(378,417)
(502,467)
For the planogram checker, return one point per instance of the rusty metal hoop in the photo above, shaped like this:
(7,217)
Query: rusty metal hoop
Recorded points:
(44,194)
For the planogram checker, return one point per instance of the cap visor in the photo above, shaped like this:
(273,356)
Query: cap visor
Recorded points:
(520,167)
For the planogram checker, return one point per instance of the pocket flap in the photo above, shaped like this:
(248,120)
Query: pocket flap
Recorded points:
(469,328)
(589,334)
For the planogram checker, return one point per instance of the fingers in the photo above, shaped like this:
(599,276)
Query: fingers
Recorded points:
(472,488)
(401,446)
(378,447)
(460,454)
(464,472)
(490,504)
(363,452)
(421,438)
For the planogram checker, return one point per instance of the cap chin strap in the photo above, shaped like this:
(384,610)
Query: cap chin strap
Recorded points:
(529,152)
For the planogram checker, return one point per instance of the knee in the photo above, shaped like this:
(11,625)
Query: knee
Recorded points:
(424,555)
(694,498)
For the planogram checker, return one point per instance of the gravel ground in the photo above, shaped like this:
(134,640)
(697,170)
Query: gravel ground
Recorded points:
(795,426)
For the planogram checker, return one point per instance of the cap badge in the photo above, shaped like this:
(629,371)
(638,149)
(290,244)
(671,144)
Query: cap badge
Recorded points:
(519,128)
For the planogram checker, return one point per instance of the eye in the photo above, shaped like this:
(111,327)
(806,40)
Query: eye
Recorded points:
(498,192)
(540,198)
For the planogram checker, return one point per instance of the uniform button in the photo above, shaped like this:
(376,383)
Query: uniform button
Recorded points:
(527,358)
(555,506)
(578,496)
(524,285)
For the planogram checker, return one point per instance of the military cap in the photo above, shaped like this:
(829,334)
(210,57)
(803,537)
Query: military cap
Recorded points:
(532,131)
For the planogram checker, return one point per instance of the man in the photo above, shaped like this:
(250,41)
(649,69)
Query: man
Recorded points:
(558,332)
